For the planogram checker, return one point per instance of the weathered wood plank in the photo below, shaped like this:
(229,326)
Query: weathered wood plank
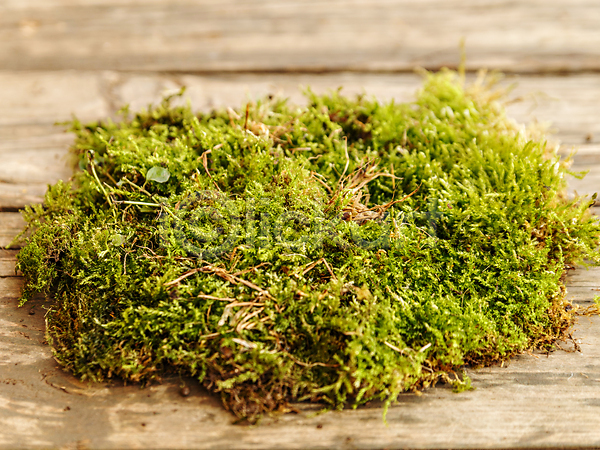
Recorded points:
(11,224)
(38,99)
(582,295)
(44,99)
(570,105)
(535,401)
(31,137)
(299,35)
(589,184)
(8,259)
(11,289)
(34,166)
(585,277)
(34,152)
(585,155)
(32,156)
(15,196)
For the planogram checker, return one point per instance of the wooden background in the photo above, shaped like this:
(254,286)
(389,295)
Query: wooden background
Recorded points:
(89,57)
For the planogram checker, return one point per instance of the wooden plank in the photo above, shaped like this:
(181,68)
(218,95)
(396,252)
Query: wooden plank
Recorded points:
(583,295)
(32,156)
(34,152)
(569,105)
(535,401)
(299,35)
(32,137)
(584,155)
(11,224)
(36,100)
(44,99)
(10,289)
(14,197)
(8,259)
(589,184)
(585,277)
(34,166)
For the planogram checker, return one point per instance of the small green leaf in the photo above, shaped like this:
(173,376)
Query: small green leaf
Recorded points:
(118,239)
(158,174)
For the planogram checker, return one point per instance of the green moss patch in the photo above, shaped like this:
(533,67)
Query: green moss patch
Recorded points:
(340,252)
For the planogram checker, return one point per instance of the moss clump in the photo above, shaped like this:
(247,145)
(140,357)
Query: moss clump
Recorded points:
(341,252)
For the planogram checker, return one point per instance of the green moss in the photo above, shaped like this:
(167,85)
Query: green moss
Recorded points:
(341,252)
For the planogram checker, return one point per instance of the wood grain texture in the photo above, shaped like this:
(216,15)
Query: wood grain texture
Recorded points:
(89,57)
(11,224)
(585,277)
(7,263)
(34,166)
(15,196)
(590,183)
(535,401)
(36,100)
(569,106)
(299,35)
(33,151)
(43,99)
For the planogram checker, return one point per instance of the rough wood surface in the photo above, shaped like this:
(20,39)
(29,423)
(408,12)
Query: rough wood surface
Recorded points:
(88,58)
(298,35)
(536,401)
(33,151)
(569,105)
(591,182)
(36,100)
(11,224)
(7,263)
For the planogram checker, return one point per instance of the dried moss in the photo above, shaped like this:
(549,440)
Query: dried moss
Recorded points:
(340,252)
